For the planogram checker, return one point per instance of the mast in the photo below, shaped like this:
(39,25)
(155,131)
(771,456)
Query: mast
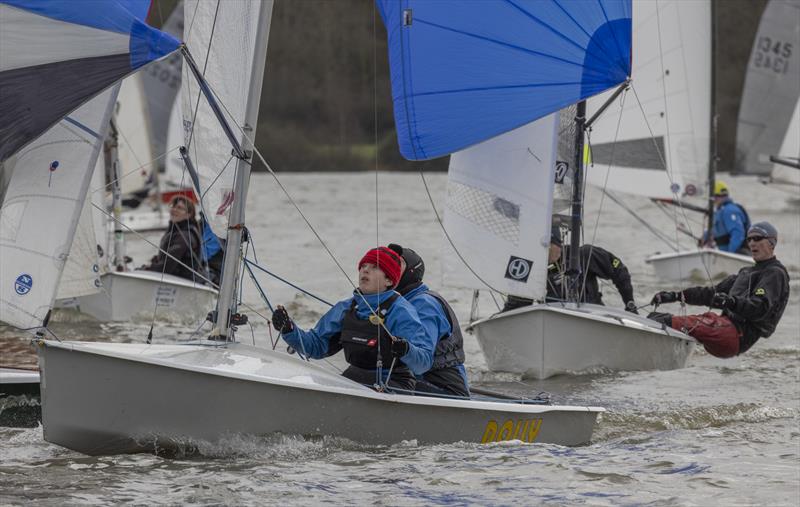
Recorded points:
(712,159)
(116,199)
(574,270)
(226,303)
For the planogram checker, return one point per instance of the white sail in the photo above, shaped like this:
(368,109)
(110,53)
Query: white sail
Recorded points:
(227,64)
(81,274)
(175,177)
(672,79)
(42,205)
(498,211)
(771,88)
(132,120)
(790,149)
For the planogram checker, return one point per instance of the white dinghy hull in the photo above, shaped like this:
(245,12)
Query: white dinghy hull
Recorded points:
(543,340)
(100,398)
(697,265)
(141,295)
(146,220)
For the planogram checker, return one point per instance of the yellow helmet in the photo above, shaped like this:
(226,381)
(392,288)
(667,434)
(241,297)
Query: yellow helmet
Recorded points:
(720,188)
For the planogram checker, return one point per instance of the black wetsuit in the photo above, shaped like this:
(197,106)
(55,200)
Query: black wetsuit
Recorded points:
(595,263)
(761,292)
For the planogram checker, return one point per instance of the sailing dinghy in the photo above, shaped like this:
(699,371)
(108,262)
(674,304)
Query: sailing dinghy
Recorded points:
(131,397)
(662,149)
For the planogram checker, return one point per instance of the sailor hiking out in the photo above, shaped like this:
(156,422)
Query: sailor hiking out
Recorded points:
(595,263)
(379,331)
(752,301)
(447,375)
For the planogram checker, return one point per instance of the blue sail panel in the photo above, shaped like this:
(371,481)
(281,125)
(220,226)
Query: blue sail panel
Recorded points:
(463,72)
(88,46)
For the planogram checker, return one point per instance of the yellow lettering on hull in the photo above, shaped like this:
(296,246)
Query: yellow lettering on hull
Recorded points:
(525,430)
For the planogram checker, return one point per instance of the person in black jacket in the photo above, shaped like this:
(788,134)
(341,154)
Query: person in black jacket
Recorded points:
(182,241)
(752,301)
(595,263)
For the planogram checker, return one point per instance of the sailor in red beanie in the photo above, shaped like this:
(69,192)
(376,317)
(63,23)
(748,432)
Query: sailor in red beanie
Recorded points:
(381,260)
(379,331)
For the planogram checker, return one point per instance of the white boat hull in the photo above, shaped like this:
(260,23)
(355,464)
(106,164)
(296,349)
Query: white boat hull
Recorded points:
(543,340)
(144,220)
(143,295)
(100,398)
(697,265)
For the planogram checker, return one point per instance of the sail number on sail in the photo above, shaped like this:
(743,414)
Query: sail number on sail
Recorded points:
(525,430)
(773,55)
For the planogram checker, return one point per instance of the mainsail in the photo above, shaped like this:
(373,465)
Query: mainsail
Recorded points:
(56,55)
(499,199)
(463,72)
(225,57)
(658,144)
(771,89)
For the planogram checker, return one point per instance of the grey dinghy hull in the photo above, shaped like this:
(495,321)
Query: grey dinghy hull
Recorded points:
(543,340)
(100,398)
(697,265)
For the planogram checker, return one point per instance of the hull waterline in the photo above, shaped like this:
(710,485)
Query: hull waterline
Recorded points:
(543,340)
(114,398)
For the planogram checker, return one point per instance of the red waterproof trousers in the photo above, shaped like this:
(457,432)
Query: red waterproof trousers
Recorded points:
(716,332)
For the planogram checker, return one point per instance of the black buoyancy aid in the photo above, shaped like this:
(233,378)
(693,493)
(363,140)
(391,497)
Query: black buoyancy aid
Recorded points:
(361,339)
(450,348)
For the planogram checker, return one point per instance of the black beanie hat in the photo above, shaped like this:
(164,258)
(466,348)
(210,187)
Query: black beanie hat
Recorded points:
(415,267)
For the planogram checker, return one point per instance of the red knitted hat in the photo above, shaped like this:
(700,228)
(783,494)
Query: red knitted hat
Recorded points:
(386,260)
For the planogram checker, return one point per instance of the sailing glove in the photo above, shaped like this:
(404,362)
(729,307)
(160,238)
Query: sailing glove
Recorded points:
(723,301)
(399,347)
(630,306)
(665,296)
(281,321)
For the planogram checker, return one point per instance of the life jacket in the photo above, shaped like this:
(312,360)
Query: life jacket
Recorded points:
(450,348)
(360,338)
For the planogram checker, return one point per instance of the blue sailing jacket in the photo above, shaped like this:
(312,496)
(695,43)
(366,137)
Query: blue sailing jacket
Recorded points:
(402,321)
(433,318)
(729,226)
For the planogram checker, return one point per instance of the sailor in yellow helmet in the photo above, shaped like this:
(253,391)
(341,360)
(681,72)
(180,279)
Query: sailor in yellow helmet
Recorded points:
(730,221)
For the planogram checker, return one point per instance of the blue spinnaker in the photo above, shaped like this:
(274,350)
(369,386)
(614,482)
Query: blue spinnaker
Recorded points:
(55,55)
(466,71)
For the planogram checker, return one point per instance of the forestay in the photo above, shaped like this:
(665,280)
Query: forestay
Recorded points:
(463,72)
(771,89)
(56,55)
(499,203)
(663,152)
(222,40)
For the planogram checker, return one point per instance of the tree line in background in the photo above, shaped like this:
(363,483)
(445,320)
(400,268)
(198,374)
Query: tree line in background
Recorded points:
(326,102)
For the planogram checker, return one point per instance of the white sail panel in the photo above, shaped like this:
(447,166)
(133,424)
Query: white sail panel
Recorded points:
(41,209)
(175,177)
(81,274)
(672,79)
(771,88)
(790,149)
(498,211)
(226,59)
(134,151)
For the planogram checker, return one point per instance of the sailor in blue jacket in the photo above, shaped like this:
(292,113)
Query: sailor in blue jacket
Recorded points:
(730,221)
(378,330)
(447,375)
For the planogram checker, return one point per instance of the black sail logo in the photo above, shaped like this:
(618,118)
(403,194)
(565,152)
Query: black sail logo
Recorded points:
(518,269)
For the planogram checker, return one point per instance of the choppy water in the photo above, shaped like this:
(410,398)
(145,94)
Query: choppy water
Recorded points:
(719,432)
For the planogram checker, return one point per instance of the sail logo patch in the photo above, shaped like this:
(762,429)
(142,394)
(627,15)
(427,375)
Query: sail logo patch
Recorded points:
(227,200)
(561,170)
(23,284)
(760,292)
(53,167)
(518,269)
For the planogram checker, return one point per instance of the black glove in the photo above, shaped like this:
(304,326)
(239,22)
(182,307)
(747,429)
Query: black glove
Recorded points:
(723,301)
(399,347)
(281,321)
(630,306)
(665,296)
